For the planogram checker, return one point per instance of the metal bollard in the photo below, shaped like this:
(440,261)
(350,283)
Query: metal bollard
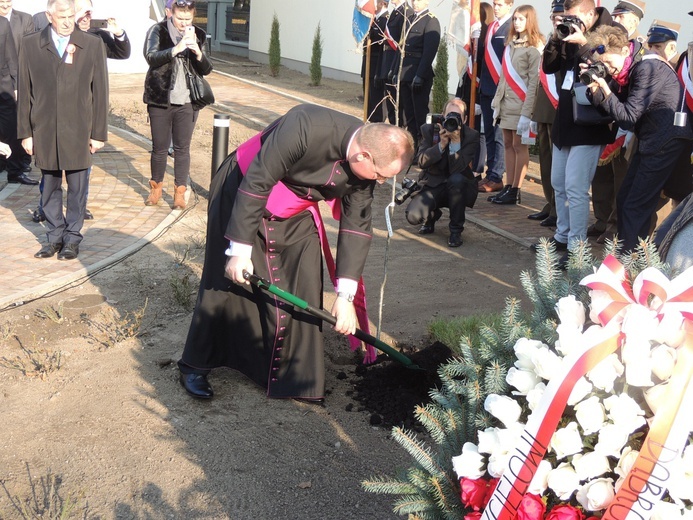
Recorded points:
(220,140)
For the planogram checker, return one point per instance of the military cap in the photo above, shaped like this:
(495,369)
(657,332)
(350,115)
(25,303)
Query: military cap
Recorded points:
(637,7)
(661,31)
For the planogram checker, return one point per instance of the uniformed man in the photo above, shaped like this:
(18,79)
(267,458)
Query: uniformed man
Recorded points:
(629,13)
(389,61)
(376,85)
(661,38)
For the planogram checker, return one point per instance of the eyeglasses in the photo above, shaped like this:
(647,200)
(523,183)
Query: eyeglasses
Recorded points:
(599,49)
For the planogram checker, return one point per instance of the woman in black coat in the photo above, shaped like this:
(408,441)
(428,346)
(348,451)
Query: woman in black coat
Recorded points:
(170,47)
(643,94)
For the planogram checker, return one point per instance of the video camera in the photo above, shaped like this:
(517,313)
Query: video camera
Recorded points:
(595,69)
(451,122)
(409,186)
(568,26)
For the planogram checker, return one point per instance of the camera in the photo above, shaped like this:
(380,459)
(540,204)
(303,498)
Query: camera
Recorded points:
(451,122)
(409,186)
(567,26)
(595,69)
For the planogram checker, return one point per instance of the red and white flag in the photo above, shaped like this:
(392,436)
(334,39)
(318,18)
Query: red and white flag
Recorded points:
(462,20)
(685,79)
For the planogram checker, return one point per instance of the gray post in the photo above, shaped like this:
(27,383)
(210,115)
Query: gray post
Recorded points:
(220,140)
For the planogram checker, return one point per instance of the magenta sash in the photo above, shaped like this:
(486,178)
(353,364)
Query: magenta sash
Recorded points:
(283,203)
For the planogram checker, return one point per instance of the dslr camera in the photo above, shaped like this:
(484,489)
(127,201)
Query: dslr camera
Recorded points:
(409,186)
(451,122)
(568,26)
(595,69)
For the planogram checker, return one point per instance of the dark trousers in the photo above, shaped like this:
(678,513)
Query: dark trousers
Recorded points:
(176,122)
(64,227)
(545,161)
(450,195)
(640,192)
(605,187)
(495,152)
(415,106)
(16,162)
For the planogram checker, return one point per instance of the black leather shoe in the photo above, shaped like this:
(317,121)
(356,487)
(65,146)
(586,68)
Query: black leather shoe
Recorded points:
(197,385)
(38,215)
(22,178)
(594,231)
(88,215)
(560,246)
(429,226)
(455,240)
(68,252)
(538,216)
(48,251)
(549,222)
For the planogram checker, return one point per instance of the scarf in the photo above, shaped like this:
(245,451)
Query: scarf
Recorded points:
(622,77)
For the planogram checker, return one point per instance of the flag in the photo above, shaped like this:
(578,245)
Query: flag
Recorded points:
(462,18)
(364,12)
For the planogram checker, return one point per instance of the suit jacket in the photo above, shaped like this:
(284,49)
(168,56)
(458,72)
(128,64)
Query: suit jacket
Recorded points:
(8,63)
(306,150)
(22,24)
(437,165)
(486,84)
(421,46)
(116,49)
(62,105)
(389,63)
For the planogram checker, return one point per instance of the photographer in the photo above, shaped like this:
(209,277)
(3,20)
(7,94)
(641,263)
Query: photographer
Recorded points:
(576,148)
(643,94)
(446,150)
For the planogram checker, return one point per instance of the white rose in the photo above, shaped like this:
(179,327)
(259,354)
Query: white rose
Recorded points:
(470,463)
(606,372)
(503,408)
(508,438)
(641,322)
(523,380)
(663,361)
(524,348)
(571,312)
(636,356)
(612,438)
(680,483)
(624,411)
(497,464)
(540,479)
(568,339)
(596,494)
(488,440)
(590,415)
(590,465)
(580,390)
(600,301)
(670,330)
(654,396)
(666,511)
(534,395)
(626,461)
(563,481)
(566,441)
(546,363)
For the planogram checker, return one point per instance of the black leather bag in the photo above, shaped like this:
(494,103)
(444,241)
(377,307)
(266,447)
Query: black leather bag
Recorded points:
(201,93)
(584,112)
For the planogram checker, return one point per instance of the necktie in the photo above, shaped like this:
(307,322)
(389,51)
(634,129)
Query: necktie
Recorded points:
(62,43)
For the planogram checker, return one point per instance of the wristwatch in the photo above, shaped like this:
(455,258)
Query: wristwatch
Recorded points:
(347,296)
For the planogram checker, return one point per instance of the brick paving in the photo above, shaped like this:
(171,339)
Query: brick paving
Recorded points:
(119,186)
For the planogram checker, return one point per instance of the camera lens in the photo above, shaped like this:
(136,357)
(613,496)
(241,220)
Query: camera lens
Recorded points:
(451,124)
(563,31)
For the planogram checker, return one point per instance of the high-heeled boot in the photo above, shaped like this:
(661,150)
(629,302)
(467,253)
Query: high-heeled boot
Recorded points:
(155,190)
(512,196)
(179,197)
(505,189)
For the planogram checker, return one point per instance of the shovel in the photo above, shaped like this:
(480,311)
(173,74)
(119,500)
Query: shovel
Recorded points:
(326,316)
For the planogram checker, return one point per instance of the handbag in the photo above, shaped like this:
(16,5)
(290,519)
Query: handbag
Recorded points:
(584,112)
(201,93)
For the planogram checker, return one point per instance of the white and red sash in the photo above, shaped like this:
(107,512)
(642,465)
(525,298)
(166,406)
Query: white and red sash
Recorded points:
(512,77)
(490,57)
(548,82)
(685,79)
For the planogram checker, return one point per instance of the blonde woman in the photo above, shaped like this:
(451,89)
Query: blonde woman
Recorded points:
(513,103)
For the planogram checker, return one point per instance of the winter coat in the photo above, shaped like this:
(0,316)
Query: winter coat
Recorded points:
(163,66)
(525,59)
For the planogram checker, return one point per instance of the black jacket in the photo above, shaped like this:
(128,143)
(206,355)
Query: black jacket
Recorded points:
(116,48)
(648,102)
(389,62)
(437,165)
(421,46)
(563,58)
(158,51)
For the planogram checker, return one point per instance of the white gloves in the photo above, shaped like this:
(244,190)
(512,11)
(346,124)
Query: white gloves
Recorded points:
(533,127)
(523,125)
(477,109)
(496,115)
(475,30)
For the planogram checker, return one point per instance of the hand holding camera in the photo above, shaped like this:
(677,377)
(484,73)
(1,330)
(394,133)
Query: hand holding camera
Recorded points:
(571,30)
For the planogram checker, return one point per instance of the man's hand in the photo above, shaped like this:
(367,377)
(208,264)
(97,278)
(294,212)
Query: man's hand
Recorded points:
(577,37)
(5,149)
(113,28)
(235,267)
(28,145)
(95,146)
(443,136)
(345,313)
(417,84)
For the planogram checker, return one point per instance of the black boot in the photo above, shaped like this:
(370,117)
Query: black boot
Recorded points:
(492,198)
(512,196)
(429,226)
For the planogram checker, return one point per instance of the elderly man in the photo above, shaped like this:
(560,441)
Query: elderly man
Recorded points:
(661,38)
(63,77)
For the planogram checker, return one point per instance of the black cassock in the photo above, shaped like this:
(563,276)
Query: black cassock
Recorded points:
(244,328)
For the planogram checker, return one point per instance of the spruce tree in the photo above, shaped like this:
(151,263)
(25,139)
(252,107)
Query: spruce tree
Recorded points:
(440,80)
(315,58)
(275,52)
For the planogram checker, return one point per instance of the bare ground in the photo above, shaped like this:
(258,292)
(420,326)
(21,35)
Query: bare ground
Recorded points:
(92,411)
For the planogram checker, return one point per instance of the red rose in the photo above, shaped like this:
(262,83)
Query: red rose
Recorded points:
(473,492)
(489,491)
(531,508)
(565,513)
(473,516)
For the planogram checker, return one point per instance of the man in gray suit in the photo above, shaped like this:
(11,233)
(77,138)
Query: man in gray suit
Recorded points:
(20,24)
(62,76)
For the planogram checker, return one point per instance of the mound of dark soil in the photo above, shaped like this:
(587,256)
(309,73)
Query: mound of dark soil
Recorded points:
(390,391)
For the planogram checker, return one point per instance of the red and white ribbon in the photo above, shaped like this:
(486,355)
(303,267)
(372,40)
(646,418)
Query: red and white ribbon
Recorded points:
(548,82)
(685,78)
(512,77)
(490,57)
